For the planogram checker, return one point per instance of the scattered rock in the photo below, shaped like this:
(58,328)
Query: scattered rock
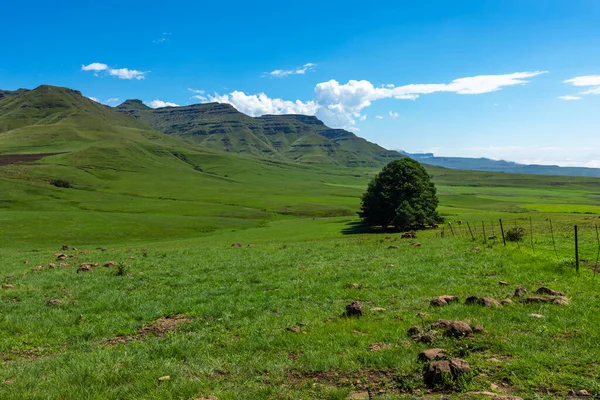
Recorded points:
(560,300)
(54,302)
(443,300)
(506,302)
(293,329)
(459,366)
(164,378)
(475,249)
(545,290)
(377,309)
(8,286)
(453,328)
(51,265)
(110,264)
(415,244)
(583,393)
(432,354)
(435,372)
(65,248)
(63,265)
(414,330)
(237,245)
(354,309)
(373,347)
(61,257)
(38,268)
(484,301)
(478,329)
(393,247)
(538,316)
(427,337)
(409,235)
(520,291)
(503,283)
(84,268)
(26,262)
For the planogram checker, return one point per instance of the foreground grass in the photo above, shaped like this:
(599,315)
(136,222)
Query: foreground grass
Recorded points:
(240,301)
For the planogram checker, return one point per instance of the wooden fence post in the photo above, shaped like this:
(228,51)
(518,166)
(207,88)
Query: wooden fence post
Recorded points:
(451,228)
(484,236)
(502,231)
(576,251)
(470,231)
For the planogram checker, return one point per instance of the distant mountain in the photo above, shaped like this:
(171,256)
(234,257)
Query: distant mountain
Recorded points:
(297,138)
(486,164)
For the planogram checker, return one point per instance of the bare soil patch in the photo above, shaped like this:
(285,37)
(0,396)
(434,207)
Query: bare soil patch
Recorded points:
(158,327)
(7,159)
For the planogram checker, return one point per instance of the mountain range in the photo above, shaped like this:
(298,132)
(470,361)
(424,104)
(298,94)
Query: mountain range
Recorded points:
(487,164)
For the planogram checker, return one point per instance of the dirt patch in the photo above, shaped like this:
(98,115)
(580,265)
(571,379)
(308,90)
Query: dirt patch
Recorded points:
(159,327)
(7,159)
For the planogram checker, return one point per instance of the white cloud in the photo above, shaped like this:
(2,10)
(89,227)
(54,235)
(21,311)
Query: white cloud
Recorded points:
(378,117)
(121,73)
(196,91)
(261,104)
(569,97)
(589,80)
(94,99)
(282,73)
(393,115)
(340,105)
(112,100)
(595,90)
(159,104)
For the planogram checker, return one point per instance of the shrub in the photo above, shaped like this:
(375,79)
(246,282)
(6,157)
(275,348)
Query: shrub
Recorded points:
(61,183)
(515,234)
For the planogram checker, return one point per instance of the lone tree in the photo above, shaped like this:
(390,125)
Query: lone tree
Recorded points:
(401,195)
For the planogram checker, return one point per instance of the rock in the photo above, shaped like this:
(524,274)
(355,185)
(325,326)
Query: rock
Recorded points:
(373,347)
(414,330)
(453,328)
(415,244)
(63,265)
(354,309)
(427,337)
(84,268)
(583,393)
(475,249)
(65,248)
(8,286)
(38,268)
(520,291)
(503,283)
(560,300)
(459,366)
(164,378)
(110,264)
(545,290)
(54,302)
(478,329)
(377,309)
(237,245)
(61,257)
(484,301)
(434,372)
(538,316)
(51,265)
(506,302)
(409,235)
(437,302)
(432,354)
(293,329)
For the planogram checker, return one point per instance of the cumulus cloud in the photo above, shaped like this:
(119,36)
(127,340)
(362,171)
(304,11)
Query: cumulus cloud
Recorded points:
(393,115)
(94,99)
(569,97)
(282,73)
(378,117)
(341,105)
(121,73)
(159,104)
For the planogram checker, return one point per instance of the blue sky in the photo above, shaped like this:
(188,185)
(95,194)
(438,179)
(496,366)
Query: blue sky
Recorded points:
(461,78)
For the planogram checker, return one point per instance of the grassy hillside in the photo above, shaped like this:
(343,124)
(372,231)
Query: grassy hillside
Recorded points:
(296,138)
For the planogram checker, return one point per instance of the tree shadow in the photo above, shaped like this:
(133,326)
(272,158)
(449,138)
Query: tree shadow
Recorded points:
(357,227)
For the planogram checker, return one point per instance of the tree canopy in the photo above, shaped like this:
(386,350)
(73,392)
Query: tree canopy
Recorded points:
(401,195)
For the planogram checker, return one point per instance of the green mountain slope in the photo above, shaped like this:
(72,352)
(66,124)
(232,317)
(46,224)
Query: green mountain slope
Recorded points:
(297,138)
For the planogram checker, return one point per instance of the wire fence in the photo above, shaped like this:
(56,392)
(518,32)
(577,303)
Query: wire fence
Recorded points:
(576,240)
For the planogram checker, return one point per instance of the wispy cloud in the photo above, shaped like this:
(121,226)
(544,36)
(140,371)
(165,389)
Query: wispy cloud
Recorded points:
(393,115)
(159,104)
(341,105)
(569,97)
(198,95)
(591,82)
(109,102)
(163,37)
(121,73)
(282,73)
(378,117)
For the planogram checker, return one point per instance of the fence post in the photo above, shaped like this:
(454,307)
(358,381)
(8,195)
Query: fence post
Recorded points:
(531,232)
(484,235)
(470,231)
(576,251)
(502,230)
(443,231)
(451,228)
